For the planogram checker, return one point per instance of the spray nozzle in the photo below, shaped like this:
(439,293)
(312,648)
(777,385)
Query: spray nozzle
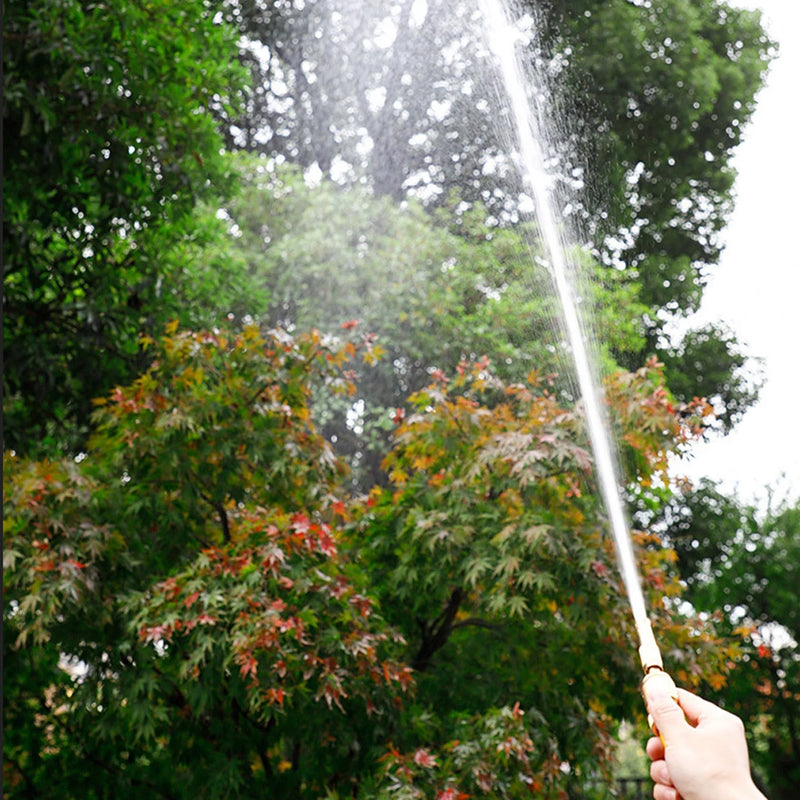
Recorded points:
(653,666)
(649,654)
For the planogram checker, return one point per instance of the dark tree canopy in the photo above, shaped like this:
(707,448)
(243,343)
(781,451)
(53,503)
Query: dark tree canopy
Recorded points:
(107,158)
(651,100)
(109,147)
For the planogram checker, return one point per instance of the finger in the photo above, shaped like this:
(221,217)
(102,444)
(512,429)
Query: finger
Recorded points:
(667,715)
(659,772)
(661,792)
(655,748)
(694,707)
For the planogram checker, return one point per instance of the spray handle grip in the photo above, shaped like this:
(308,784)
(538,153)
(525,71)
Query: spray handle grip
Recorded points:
(657,677)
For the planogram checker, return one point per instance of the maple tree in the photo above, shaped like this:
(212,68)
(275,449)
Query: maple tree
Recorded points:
(196,605)
(178,612)
(490,553)
(433,289)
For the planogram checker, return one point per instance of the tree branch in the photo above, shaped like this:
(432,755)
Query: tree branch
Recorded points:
(223,518)
(216,505)
(436,634)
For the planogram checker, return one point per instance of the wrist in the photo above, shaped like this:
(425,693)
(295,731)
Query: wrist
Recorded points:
(749,791)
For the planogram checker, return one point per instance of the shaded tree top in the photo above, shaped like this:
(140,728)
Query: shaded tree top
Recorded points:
(651,100)
(111,122)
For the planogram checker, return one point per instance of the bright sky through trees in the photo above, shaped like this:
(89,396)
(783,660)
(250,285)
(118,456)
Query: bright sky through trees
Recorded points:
(756,288)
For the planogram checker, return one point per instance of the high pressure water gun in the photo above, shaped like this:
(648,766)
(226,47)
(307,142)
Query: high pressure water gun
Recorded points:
(653,666)
(718,764)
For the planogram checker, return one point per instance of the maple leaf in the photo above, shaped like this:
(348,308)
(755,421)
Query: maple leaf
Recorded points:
(248,664)
(424,759)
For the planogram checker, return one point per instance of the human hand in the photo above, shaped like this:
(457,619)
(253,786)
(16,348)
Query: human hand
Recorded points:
(701,753)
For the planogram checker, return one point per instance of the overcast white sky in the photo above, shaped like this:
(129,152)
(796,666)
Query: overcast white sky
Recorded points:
(756,288)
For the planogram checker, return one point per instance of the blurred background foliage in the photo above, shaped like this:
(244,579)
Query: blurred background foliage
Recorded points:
(257,532)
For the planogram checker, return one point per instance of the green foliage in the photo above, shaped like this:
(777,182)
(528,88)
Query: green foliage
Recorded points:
(196,606)
(488,551)
(433,290)
(657,97)
(672,85)
(708,363)
(490,758)
(189,622)
(110,143)
(746,563)
(651,100)
(661,85)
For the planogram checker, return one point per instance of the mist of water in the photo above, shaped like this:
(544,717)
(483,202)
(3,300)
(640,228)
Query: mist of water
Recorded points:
(501,36)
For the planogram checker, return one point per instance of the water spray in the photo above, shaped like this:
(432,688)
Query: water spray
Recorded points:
(501,37)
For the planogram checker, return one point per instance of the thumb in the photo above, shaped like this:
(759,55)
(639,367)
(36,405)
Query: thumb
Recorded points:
(667,715)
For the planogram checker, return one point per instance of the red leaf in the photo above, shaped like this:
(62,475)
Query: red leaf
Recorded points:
(273,696)
(424,758)
(363,604)
(600,569)
(326,543)
(155,633)
(249,665)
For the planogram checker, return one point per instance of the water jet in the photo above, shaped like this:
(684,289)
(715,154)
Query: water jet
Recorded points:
(500,36)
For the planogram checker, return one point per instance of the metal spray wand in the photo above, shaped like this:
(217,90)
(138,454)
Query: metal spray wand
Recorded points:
(653,666)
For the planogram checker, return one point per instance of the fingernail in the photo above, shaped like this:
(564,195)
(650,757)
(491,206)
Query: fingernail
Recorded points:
(656,695)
